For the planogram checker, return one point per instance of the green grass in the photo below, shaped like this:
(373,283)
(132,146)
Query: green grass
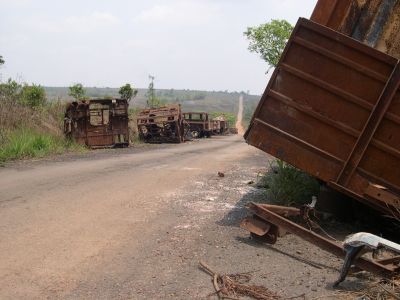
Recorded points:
(27,143)
(289,186)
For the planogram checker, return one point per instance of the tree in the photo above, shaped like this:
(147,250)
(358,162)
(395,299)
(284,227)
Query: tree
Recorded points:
(33,95)
(152,100)
(127,92)
(269,40)
(77,91)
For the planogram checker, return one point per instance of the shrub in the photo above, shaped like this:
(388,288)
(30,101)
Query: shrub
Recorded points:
(289,186)
(10,91)
(33,96)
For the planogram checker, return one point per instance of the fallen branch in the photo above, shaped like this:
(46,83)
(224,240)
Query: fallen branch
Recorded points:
(233,286)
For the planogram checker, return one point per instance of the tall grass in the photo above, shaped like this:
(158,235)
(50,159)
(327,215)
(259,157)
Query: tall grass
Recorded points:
(26,142)
(289,186)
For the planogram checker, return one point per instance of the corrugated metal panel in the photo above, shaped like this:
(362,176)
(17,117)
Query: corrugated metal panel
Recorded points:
(332,108)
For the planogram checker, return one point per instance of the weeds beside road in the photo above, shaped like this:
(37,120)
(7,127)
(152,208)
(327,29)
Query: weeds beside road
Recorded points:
(26,142)
(287,185)
(30,128)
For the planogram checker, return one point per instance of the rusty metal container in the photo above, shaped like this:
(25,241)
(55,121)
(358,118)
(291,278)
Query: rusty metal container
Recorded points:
(161,125)
(373,22)
(332,109)
(98,122)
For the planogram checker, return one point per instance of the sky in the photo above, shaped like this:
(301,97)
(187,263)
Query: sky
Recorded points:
(185,44)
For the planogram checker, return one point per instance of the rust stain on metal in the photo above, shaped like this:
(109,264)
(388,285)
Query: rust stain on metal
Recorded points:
(162,124)
(332,109)
(98,122)
(373,22)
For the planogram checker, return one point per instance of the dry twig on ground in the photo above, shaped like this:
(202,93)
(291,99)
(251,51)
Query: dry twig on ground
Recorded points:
(236,285)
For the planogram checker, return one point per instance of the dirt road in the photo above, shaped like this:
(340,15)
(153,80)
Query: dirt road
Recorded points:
(134,224)
(239,117)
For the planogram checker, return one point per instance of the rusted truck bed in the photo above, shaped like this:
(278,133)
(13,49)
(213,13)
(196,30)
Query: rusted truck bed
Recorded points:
(332,109)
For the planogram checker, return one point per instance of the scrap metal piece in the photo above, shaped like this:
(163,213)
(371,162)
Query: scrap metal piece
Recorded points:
(255,225)
(357,244)
(269,217)
(352,252)
(371,241)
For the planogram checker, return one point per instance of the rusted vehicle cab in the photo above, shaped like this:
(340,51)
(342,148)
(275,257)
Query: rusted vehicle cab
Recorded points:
(199,123)
(161,125)
(98,122)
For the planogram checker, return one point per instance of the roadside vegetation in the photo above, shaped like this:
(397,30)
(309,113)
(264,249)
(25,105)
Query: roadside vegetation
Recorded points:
(287,185)
(30,126)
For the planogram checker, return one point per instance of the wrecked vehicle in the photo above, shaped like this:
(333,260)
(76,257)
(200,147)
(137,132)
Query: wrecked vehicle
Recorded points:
(97,122)
(220,125)
(331,109)
(161,125)
(199,123)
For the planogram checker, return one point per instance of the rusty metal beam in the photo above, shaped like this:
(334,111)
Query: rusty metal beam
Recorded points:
(325,244)
(370,128)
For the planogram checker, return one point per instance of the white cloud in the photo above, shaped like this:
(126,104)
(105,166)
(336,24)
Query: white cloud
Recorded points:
(179,12)
(75,24)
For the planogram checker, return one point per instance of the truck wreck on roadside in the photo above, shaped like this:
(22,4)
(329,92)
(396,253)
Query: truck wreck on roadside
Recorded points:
(161,125)
(331,109)
(97,122)
(199,123)
(220,125)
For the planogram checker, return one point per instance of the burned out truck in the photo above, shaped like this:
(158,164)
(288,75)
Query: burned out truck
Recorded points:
(97,122)
(331,107)
(161,125)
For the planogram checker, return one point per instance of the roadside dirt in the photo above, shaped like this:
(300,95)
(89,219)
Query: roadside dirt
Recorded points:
(135,225)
